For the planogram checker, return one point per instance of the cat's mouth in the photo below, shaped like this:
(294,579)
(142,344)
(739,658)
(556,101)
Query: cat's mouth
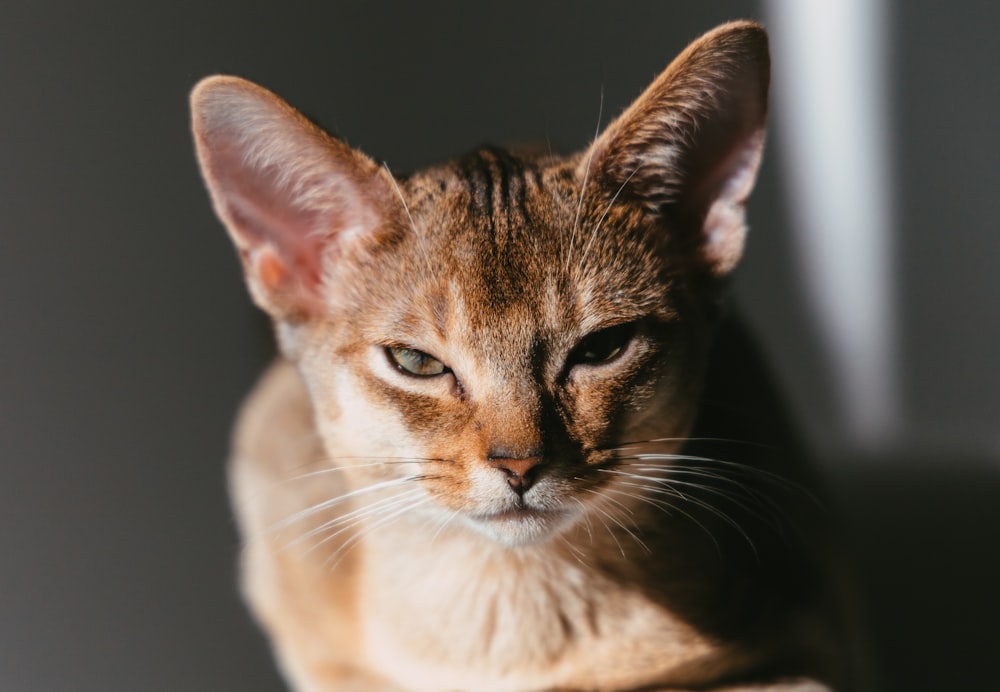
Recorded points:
(520,513)
(521,524)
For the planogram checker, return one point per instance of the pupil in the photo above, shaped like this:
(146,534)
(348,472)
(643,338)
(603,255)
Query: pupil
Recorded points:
(603,345)
(414,362)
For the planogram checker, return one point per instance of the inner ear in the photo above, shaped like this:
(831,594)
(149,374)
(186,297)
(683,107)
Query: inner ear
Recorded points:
(688,149)
(292,197)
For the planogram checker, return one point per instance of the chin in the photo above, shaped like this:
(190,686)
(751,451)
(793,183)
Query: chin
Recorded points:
(519,528)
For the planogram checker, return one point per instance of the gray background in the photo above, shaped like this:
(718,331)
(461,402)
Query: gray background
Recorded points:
(127,340)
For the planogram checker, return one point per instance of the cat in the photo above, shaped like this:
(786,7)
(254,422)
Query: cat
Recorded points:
(514,440)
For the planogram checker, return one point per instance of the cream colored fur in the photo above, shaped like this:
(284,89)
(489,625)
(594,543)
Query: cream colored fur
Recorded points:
(492,527)
(432,608)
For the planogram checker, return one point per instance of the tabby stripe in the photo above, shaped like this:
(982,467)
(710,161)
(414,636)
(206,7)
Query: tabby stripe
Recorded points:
(513,183)
(497,182)
(480,180)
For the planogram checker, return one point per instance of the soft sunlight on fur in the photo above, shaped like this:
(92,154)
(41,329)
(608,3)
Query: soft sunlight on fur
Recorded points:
(488,458)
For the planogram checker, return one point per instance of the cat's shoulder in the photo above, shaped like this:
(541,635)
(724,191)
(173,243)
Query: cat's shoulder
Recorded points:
(276,419)
(274,444)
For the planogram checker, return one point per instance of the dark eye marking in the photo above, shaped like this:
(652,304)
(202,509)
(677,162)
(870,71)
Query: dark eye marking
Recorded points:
(602,346)
(414,363)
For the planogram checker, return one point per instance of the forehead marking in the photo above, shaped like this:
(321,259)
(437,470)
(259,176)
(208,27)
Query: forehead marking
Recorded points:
(497,182)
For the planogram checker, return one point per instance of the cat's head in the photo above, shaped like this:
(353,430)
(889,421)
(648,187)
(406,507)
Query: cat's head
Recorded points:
(506,322)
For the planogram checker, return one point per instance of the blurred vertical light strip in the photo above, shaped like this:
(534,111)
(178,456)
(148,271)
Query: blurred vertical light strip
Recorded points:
(830,69)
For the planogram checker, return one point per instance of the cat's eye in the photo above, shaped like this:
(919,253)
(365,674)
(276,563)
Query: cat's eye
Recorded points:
(416,363)
(602,346)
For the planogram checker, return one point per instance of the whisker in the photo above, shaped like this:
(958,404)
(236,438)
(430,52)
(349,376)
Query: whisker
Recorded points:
(444,522)
(586,517)
(347,521)
(610,532)
(659,504)
(573,550)
(395,459)
(616,521)
(600,222)
(745,469)
(330,470)
(670,506)
(707,506)
(335,467)
(624,446)
(719,492)
(334,501)
(425,254)
(353,540)
(751,492)
(583,187)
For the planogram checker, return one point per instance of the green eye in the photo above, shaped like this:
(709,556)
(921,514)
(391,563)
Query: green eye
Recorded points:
(603,345)
(410,361)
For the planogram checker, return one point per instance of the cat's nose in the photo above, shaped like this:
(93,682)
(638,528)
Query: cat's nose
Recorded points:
(521,471)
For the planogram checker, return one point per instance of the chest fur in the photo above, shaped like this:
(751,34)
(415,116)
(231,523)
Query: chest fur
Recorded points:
(456,614)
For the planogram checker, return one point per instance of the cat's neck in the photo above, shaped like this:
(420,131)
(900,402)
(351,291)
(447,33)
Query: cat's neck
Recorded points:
(590,552)
(463,597)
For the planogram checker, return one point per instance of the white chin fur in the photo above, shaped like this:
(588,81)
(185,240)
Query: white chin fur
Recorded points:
(517,531)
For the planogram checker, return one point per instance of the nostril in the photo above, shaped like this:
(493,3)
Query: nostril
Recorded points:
(520,471)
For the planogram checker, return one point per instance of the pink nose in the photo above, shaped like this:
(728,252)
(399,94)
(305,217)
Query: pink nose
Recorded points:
(520,471)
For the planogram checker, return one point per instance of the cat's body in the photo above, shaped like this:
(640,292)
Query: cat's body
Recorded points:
(477,473)
(420,607)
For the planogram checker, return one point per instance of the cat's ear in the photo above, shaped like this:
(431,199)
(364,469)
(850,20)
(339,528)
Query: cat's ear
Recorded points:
(292,197)
(687,150)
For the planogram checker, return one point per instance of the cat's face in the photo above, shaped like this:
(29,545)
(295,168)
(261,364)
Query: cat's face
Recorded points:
(497,328)
(506,318)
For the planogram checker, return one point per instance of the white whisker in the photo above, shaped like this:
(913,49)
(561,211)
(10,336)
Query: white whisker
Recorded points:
(600,222)
(444,522)
(341,524)
(340,499)
(388,519)
(749,492)
(583,186)
(586,518)
(674,482)
(731,466)
(609,530)
(573,550)
(670,506)
(616,521)
(331,470)
(425,255)
(707,506)
(355,517)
